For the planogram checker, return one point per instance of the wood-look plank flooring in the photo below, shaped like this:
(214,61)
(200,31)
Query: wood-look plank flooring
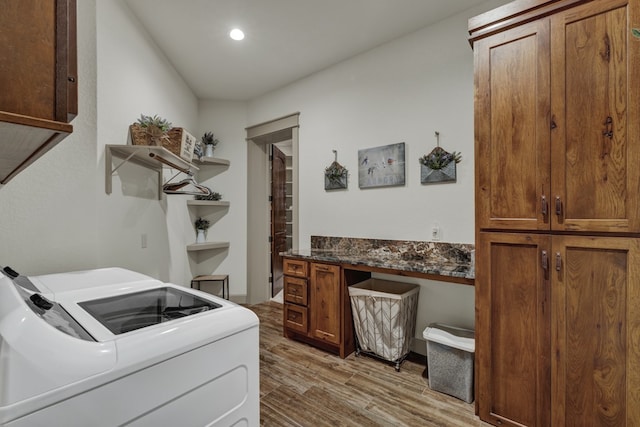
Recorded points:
(303,386)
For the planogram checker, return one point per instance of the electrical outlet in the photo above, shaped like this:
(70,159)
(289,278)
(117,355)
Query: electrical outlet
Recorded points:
(143,240)
(435,233)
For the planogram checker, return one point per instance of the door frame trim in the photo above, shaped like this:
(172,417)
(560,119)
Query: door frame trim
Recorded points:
(258,217)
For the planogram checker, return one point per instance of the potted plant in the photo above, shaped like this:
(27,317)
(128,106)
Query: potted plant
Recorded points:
(210,142)
(202,225)
(439,166)
(211,196)
(150,130)
(335,177)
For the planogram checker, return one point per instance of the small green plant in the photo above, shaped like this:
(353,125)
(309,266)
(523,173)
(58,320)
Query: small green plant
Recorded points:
(155,121)
(211,196)
(439,158)
(202,224)
(335,173)
(209,139)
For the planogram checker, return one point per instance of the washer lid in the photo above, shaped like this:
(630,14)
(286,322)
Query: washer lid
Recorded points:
(136,310)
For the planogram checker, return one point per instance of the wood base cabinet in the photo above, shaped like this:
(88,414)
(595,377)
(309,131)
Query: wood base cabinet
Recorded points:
(595,332)
(314,306)
(558,327)
(513,329)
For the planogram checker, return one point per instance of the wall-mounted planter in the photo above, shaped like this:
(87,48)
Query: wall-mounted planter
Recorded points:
(445,174)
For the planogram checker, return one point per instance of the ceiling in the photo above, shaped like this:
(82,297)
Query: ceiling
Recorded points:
(286,40)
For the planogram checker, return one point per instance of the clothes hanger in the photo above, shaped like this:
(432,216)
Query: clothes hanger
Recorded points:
(186,186)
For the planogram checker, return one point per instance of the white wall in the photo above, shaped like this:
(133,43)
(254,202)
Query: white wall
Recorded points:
(57,217)
(402,91)
(134,77)
(227,120)
(48,211)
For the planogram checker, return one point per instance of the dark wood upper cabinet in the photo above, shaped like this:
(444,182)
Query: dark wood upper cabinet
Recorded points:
(38,80)
(556,117)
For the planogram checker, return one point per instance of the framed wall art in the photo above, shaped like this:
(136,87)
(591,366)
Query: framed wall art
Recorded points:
(381,166)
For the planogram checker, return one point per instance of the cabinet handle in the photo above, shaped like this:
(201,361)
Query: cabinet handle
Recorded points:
(558,206)
(545,206)
(558,261)
(545,261)
(608,132)
(322,268)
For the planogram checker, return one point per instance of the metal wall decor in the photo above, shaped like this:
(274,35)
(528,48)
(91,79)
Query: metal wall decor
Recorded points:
(335,175)
(381,166)
(439,165)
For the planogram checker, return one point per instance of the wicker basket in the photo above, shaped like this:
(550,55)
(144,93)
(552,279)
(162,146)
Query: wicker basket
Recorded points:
(176,140)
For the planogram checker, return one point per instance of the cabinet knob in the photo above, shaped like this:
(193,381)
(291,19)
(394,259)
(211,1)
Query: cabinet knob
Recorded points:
(72,79)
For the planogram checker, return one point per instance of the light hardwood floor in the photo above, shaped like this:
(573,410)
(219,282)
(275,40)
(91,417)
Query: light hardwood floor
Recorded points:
(303,386)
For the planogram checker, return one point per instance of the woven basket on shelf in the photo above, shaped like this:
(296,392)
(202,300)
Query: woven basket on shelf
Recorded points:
(176,140)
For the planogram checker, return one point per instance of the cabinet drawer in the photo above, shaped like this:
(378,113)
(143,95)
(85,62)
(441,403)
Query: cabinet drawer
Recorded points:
(295,318)
(295,267)
(295,290)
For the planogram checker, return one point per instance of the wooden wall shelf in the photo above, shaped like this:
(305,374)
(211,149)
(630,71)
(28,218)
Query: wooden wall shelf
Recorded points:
(208,203)
(151,157)
(207,246)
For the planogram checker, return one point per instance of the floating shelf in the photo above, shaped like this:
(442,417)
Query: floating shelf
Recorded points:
(206,246)
(151,157)
(207,203)
(211,161)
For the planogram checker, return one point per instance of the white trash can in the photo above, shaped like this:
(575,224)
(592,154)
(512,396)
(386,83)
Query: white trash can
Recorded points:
(450,352)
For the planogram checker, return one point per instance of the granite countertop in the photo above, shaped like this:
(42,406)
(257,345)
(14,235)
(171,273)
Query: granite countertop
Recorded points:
(427,263)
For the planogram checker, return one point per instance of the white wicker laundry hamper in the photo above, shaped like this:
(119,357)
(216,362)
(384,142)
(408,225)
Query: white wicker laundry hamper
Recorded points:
(384,317)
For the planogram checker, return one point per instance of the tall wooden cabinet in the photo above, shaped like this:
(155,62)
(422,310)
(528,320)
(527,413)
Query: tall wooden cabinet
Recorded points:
(557,132)
(38,77)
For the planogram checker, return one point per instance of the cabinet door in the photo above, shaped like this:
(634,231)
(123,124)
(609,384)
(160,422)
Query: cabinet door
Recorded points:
(512,104)
(595,96)
(324,307)
(513,329)
(38,68)
(596,331)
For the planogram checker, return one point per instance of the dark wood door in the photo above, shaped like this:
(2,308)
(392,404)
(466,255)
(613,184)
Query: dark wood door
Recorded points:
(512,128)
(595,154)
(513,329)
(278,217)
(324,307)
(596,331)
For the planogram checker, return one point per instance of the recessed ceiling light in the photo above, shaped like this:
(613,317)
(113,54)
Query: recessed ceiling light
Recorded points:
(236,34)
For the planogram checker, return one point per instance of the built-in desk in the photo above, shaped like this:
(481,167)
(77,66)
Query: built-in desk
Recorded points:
(423,267)
(317,309)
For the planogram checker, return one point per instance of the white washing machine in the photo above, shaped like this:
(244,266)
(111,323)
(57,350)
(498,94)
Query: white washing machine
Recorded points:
(112,347)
